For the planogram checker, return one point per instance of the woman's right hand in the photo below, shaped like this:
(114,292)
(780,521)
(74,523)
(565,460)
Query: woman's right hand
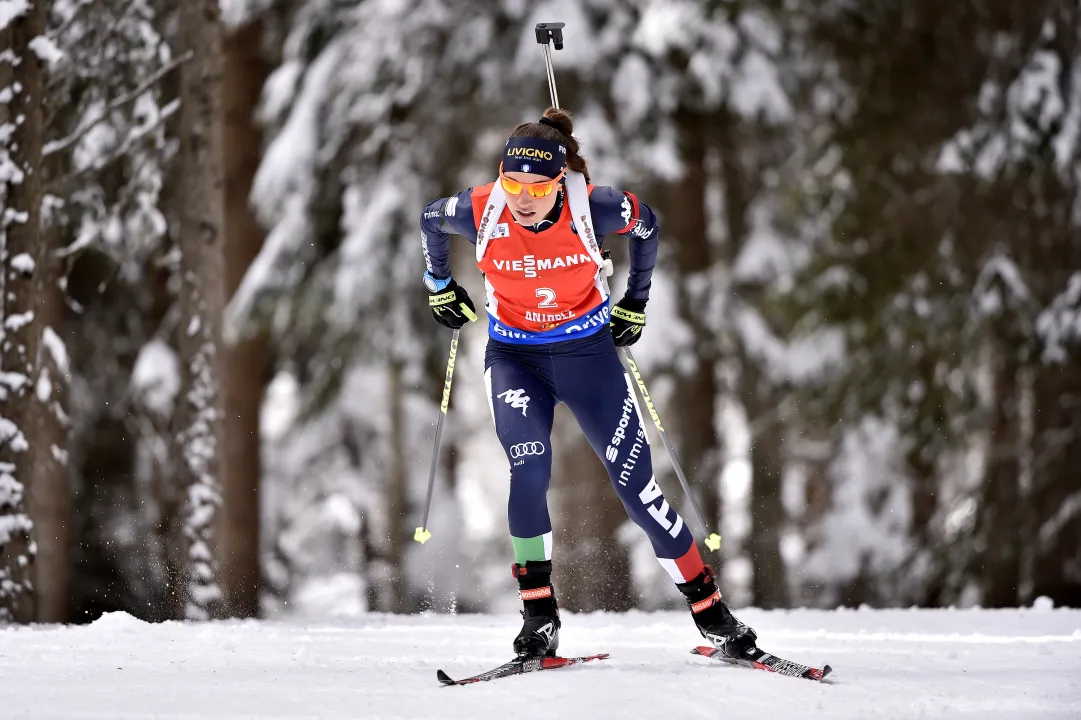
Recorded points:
(451,305)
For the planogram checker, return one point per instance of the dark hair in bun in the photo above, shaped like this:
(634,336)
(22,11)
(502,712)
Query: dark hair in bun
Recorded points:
(559,127)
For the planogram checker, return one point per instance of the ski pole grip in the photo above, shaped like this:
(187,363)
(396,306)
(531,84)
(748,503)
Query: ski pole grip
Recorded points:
(551,32)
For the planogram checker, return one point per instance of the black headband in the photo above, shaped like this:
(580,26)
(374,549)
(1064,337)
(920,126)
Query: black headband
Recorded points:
(552,124)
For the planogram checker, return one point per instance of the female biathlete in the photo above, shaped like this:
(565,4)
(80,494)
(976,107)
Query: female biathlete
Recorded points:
(552,338)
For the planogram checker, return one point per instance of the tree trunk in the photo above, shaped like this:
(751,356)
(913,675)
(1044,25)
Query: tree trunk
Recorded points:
(386,578)
(760,398)
(694,426)
(244,363)
(24,392)
(1056,498)
(46,421)
(769,587)
(199,411)
(998,528)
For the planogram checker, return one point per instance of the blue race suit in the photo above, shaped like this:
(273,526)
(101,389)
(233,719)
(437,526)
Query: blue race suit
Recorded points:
(525,380)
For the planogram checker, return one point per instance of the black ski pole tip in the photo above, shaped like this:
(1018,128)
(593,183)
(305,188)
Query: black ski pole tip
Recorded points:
(551,32)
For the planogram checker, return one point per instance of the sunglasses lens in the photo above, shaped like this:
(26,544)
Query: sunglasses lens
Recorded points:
(512,187)
(541,189)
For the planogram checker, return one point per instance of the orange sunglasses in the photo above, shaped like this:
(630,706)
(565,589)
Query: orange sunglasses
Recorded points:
(534,189)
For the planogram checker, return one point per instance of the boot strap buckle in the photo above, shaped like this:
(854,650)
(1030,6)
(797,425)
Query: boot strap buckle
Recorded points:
(536,594)
(707,603)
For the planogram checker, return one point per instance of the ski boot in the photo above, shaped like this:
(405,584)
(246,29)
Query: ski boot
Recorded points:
(539,636)
(713,618)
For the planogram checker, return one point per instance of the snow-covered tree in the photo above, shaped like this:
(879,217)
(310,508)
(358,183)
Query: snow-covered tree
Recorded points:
(244,364)
(200,241)
(112,99)
(359,133)
(1022,156)
(950,191)
(691,105)
(33,360)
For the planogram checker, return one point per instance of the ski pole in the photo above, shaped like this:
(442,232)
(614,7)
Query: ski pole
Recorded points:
(713,540)
(553,33)
(422,535)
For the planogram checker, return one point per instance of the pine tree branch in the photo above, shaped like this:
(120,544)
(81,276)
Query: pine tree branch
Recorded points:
(66,143)
(59,186)
(76,16)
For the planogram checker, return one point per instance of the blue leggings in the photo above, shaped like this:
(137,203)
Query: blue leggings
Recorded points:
(524,383)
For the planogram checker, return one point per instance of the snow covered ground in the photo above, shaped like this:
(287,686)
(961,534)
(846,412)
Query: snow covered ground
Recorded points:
(888,664)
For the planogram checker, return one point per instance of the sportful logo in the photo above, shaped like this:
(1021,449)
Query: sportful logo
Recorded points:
(621,430)
(517,399)
(612,453)
(530,264)
(526,448)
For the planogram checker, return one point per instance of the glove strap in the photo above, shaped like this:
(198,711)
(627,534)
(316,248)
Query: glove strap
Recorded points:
(441,299)
(630,316)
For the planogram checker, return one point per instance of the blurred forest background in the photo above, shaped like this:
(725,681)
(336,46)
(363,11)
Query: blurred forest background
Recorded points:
(219,379)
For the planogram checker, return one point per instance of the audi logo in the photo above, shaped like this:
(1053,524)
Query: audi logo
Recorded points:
(528,448)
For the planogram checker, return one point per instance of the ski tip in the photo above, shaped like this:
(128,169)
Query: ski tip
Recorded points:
(826,670)
(444,678)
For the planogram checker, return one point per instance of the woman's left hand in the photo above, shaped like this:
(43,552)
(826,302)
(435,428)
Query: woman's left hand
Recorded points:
(628,319)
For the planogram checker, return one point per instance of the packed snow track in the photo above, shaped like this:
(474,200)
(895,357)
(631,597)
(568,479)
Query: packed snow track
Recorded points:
(887,664)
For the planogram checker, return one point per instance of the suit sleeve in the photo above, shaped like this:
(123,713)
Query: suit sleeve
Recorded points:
(620,212)
(441,219)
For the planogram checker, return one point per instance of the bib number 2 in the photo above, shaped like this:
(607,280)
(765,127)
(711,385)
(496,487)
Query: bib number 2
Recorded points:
(548,298)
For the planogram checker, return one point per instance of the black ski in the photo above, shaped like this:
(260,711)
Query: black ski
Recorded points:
(760,660)
(517,667)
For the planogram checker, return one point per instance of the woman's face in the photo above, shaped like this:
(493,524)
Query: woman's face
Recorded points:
(528,210)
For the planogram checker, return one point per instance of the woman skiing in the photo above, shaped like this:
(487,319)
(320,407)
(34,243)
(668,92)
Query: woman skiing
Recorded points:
(552,338)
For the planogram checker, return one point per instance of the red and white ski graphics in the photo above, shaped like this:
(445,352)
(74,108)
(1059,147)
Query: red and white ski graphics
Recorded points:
(758,659)
(517,667)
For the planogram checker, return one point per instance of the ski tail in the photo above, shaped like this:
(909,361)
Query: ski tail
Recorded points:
(758,659)
(517,667)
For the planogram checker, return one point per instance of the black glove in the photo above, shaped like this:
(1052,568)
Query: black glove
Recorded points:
(628,319)
(451,306)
